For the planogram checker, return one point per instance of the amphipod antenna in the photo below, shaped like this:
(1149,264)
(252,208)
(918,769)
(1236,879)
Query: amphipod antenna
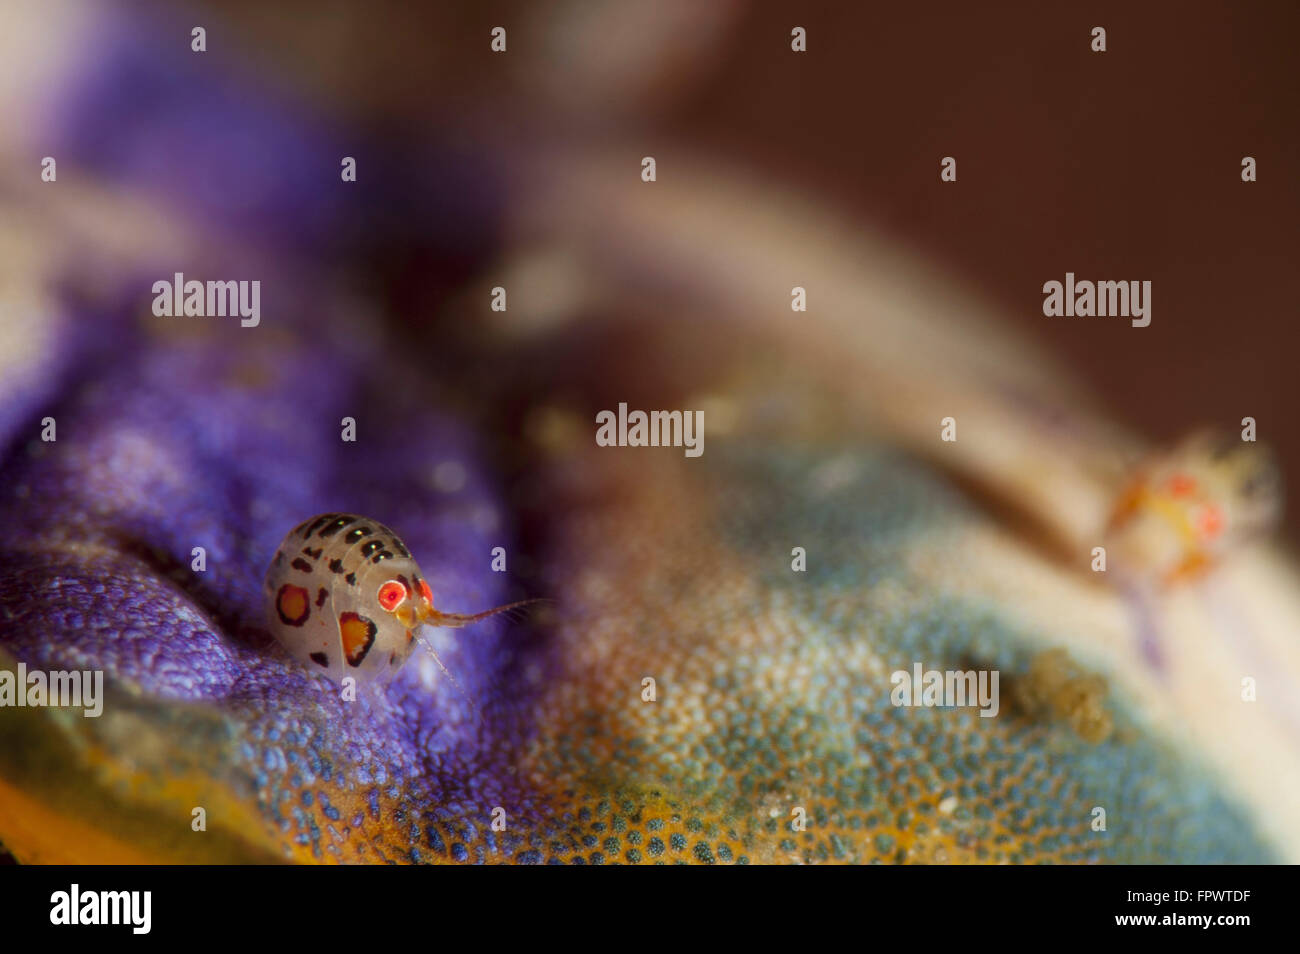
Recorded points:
(455,620)
(428,616)
(478,714)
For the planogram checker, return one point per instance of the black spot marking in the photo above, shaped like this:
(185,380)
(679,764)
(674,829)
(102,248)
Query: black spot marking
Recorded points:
(314,554)
(300,564)
(321,660)
(371,547)
(404,553)
(353,536)
(392,659)
(319,522)
(351,579)
(332,528)
(336,565)
(1222,446)
(378,557)
(1259,482)
(279,557)
(321,597)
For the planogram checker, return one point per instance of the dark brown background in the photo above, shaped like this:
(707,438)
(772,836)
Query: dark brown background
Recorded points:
(1117,165)
(1120,165)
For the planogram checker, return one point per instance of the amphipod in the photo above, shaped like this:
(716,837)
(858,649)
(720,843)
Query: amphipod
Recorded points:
(1184,511)
(346,598)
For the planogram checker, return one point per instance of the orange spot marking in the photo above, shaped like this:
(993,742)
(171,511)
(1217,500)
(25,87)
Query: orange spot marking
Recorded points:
(1180,485)
(1129,502)
(293,604)
(358,635)
(1195,565)
(426,592)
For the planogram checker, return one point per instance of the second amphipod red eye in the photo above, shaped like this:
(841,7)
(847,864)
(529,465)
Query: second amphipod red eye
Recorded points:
(391,595)
(1211,521)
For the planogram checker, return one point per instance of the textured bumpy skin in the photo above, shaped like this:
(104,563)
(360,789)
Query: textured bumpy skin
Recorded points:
(771,685)
(772,694)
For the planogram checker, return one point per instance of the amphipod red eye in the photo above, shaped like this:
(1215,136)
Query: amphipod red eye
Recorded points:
(426,592)
(1211,522)
(391,595)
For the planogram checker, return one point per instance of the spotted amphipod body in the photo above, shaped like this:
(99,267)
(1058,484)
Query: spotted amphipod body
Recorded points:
(346,598)
(1188,508)
(1182,513)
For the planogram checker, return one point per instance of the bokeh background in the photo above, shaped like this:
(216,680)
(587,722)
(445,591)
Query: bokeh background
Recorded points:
(1123,163)
(1117,165)
(476,168)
